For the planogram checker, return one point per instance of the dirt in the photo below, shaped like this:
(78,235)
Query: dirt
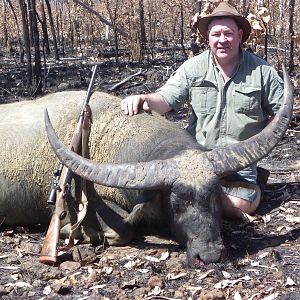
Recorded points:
(262,259)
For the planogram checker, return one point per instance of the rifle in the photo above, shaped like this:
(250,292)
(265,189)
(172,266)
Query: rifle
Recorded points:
(61,185)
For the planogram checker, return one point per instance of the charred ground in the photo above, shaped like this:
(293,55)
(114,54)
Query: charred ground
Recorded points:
(263,252)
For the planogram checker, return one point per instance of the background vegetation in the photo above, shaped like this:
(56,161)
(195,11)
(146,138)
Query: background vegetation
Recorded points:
(35,34)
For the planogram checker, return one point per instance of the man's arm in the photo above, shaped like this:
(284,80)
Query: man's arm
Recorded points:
(133,104)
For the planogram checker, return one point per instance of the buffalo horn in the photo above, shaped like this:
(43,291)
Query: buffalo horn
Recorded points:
(147,175)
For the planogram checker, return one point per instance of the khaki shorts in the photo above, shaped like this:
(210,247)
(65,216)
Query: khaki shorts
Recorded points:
(242,184)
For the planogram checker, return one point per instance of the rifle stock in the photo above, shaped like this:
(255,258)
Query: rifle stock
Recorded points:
(48,253)
(49,250)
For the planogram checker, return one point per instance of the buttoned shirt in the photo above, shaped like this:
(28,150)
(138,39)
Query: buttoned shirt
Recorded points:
(225,112)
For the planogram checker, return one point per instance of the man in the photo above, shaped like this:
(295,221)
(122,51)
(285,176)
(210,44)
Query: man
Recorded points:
(233,94)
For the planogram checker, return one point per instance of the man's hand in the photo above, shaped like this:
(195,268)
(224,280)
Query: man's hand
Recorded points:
(133,104)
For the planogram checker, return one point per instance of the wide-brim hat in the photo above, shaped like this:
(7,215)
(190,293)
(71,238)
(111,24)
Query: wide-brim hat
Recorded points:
(224,10)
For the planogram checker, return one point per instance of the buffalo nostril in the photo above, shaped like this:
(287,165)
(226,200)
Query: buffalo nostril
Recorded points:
(198,262)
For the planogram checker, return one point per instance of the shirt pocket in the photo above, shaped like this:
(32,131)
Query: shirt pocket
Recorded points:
(247,100)
(203,100)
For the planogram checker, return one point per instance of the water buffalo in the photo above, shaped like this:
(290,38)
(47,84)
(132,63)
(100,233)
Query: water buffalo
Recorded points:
(149,158)
(149,170)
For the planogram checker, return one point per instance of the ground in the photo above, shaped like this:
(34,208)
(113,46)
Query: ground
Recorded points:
(262,258)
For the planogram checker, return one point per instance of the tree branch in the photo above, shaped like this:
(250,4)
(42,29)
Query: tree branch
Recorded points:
(126,79)
(88,8)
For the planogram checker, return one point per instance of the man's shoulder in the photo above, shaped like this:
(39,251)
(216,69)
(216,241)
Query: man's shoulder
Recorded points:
(258,64)
(197,65)
(255,59)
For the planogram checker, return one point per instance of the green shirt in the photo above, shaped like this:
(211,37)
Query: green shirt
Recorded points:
(225,112)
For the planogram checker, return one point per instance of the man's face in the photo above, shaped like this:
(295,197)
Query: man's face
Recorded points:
(224,39)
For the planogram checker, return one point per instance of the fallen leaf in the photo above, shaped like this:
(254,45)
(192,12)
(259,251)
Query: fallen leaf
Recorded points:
(254,295)
(283,227)
(257,264)
(226,274)
(248,217)
(97,287)
(193,289)
(107,270)
(165,255)
(143,271)
(130,265)
(290,282)
(9,268)
(271,297)
(292,219)
(21,284)
(130,284)
(228,283)
(237,296)
(83,298)
(171,276)
(47,290)
(266,218)
(15,276)
(253,270)
(152,258)
(155,292)
(263,255)
(206,274)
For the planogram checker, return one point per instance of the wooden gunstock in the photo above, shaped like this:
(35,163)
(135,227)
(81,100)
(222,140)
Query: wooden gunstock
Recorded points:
(49,250)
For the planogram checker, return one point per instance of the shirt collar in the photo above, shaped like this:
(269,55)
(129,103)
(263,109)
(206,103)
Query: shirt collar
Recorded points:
(212,64)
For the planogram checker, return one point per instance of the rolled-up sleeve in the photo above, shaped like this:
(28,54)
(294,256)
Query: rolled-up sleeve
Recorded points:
(175,91)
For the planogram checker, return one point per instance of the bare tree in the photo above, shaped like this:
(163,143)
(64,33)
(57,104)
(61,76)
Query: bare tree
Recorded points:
(53,32)
(291,32)
(182,31)
(23,9)
(142,24)
(113,15)
(4,23)
(41,16)
(37,57)
(21,47)
(103,20)
(194,35)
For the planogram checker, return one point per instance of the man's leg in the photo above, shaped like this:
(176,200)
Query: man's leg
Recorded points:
(233,206)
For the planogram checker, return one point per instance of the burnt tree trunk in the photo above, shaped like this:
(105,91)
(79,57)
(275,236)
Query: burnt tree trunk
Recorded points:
(113,14)
(266,42)
(142,25)
(4,22)
(23,9)
(182,31)
(21,45)
(53,32)
(29,16)
(194,46)
(43,21)
(37,70)
(291,34)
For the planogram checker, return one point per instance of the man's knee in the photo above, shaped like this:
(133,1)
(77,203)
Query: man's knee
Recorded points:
(234,207)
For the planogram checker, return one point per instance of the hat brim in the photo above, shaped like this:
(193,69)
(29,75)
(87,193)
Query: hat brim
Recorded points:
(242,23)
